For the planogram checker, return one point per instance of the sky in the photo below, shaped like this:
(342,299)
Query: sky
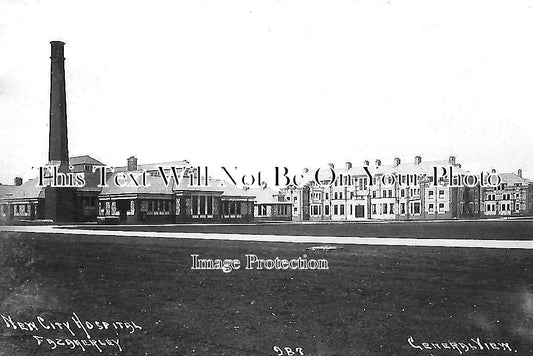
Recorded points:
(258,84)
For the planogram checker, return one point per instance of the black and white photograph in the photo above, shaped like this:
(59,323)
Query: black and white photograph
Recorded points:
(266,178)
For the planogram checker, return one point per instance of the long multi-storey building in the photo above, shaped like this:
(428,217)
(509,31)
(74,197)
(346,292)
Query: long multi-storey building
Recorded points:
(413,191)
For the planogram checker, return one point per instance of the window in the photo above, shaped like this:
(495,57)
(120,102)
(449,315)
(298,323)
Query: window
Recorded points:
(374,209)
(402,208)
(326,209)
(441,206)
(431,208)
(384,194)
(374,194)
(342,209)
(431,194)
(194,205)
(390,193)
(202,204)
(335,210)
(402,193)
(209,205)
(316,210)
(335,195)
(441,193)
(295,199)
(340,195)
(391,208)
(415,208)
(384,207)
(327,196)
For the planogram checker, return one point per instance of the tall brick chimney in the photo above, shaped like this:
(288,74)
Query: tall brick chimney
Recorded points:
(58,142)
(58,201)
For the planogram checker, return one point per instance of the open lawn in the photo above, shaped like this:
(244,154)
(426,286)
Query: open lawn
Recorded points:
(370,301)
(475,229)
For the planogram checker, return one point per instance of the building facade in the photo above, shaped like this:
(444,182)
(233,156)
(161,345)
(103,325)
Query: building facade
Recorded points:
(271,205)
(513,197)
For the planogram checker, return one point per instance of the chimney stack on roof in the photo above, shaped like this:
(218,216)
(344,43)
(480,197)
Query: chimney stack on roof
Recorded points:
(18,181)
(366,163)
(132,163)
(493,170)
(331,165)
(348,165)
(520,173)
(451,160)
(378,162)
(397,162)
(418,160)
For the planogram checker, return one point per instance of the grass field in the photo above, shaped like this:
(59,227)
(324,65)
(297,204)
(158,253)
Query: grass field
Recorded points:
(475,229)
(368,303)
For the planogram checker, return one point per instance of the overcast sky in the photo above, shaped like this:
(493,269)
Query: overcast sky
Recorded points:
(264,83)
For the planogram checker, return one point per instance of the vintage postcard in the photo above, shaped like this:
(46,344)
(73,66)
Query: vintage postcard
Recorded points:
(277,178)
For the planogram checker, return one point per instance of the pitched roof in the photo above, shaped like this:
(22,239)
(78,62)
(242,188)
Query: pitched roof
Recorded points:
(513,178)
(224,188)
(154,185)
(230,190)
(86,159)
(266,196)
(6,191)
(28,190)
(155,166)
(423,168)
